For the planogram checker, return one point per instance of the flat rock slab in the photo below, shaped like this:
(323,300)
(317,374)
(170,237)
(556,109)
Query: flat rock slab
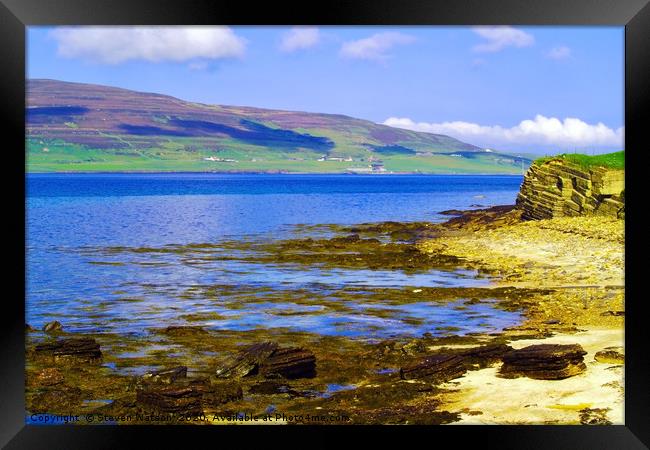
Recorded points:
(452,364)
(192,397)
(290,362)
(271,361)
(171,399)
(611,355)
(82,349)
(439,367)
(544,362)
(485,355)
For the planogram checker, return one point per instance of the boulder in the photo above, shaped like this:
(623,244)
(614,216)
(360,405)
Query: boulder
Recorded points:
(290,362)
(247,361)
(82,349)
(544,362)
(270,361)
(52,327)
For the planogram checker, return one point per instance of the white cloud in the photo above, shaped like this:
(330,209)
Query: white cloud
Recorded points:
(117,44)
(498,38)
(299,38)
(541,130)
(559,53)
(375,47)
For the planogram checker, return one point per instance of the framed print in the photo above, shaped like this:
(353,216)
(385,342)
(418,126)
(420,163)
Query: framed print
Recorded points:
(381,214)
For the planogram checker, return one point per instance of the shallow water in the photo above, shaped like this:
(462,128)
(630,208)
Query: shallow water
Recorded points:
(74,220)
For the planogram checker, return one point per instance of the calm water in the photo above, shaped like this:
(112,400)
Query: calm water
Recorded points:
(72,219)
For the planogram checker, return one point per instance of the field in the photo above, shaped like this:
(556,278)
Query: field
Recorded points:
(60,156)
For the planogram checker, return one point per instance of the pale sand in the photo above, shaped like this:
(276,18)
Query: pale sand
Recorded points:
(527,401)
(571,251)
(554,253)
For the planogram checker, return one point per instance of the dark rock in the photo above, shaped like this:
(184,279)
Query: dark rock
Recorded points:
(247,361)
(171,399)
(52,327)
(438,367)
(82,349)
(611,355)
(485,355)
(544,362)
(291,362)
(189,397)
(271,361)
(552,322)
(29,328)
(165,376)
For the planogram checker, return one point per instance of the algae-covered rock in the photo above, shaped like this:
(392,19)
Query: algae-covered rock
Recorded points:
(544,362)
(611,355)
(270,361)
(71,349)
(165,376)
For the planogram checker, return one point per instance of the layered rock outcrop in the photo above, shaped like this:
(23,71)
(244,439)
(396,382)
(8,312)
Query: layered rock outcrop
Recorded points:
(559,188)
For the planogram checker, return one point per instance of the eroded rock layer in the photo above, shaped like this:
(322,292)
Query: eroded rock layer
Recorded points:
(558,188)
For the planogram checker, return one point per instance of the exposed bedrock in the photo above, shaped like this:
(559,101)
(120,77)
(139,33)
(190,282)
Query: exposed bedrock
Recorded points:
(559,188)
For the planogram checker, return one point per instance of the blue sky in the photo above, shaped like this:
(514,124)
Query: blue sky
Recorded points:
(538,89)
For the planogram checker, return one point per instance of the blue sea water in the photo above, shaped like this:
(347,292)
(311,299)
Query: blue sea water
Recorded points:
(70,218)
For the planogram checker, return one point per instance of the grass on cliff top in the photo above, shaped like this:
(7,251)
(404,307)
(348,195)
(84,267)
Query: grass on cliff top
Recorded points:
(614,160)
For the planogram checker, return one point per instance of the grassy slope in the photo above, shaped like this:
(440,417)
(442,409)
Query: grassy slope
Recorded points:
(614,160)
(93,137)
(59,156)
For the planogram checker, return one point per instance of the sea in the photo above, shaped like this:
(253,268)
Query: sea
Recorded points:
(100,252)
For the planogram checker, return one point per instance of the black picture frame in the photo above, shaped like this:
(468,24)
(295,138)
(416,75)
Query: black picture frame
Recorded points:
(16,15)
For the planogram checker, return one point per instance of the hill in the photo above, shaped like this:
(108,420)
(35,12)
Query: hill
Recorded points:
(84,127)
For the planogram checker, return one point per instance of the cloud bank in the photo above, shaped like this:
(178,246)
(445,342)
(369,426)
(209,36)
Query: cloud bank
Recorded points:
(375,47)
(299,38)
(498,38)
(116,44)
(541,130)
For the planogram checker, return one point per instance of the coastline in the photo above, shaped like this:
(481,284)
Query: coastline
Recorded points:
(114,172)
(361,379)
(581,260)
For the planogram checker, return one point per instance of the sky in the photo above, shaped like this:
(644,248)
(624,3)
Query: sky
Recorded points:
(523,89)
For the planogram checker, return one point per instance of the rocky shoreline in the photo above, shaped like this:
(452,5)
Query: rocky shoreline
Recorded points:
(565,276)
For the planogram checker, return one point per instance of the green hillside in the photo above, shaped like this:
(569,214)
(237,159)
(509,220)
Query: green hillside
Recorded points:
(615,160)
(81,127)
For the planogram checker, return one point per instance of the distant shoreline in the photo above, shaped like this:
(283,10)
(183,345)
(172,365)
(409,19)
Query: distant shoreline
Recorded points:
(146,172)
